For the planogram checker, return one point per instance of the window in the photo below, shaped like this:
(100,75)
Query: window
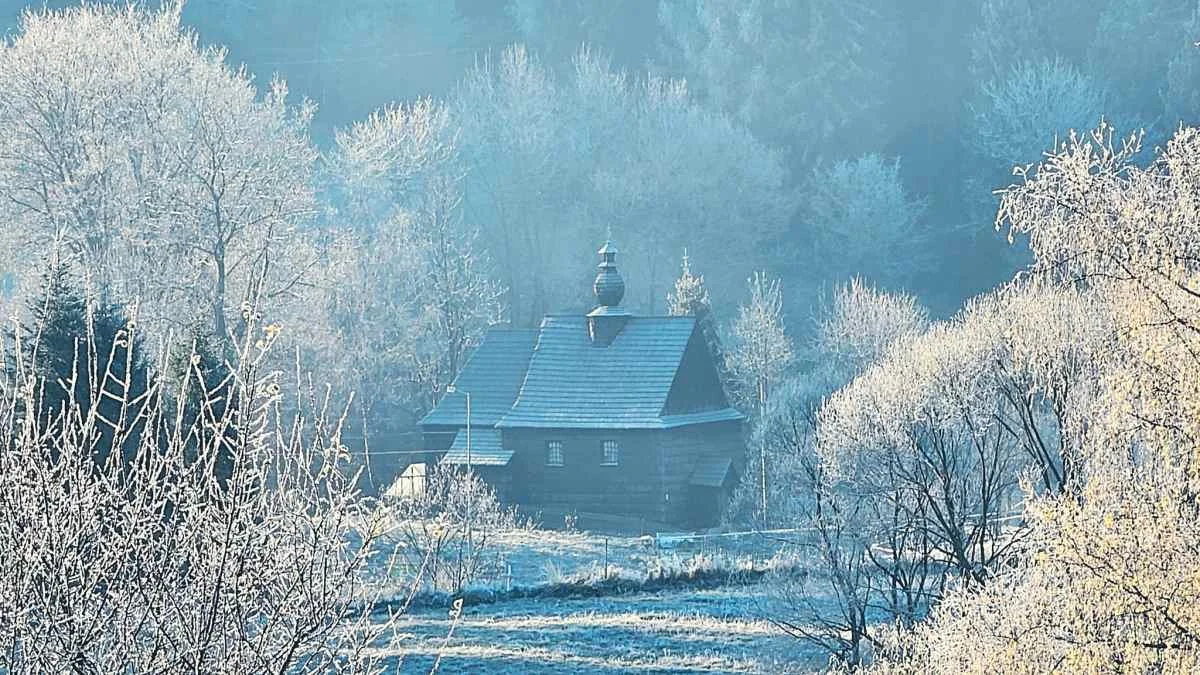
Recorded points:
(612,453)
(554,453)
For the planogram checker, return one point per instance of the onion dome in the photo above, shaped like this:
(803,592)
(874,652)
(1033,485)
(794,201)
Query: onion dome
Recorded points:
(609,287)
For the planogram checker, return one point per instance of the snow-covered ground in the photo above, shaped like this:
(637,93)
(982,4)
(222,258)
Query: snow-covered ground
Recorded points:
(711,631)
(532,557)
(679,630)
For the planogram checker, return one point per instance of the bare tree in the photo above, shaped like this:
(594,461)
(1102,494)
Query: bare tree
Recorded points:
(159,167)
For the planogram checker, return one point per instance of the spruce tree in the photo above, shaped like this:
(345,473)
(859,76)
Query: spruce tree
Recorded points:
(88,362)
(55,335)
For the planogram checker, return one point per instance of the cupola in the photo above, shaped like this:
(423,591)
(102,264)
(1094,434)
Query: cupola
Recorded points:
(608,318)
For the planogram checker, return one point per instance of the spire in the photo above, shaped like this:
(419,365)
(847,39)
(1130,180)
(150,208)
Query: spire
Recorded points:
(609,287)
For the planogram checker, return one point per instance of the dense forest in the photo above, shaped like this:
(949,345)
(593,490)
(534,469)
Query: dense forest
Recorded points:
(813,140)
(836,138)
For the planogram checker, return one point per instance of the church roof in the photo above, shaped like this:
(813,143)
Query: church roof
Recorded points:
(606,370)
(572,383)
(492,375)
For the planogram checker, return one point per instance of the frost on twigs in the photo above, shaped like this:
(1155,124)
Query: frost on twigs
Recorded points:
(445,534)
(159,563)
(162,168)
(1109,578)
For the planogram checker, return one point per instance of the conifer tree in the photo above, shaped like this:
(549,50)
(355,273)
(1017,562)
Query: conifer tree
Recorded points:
(690,297)
(88,362)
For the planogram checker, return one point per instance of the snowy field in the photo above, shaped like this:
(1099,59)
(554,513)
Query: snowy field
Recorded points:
(710,631)
(531,557)
(722,630)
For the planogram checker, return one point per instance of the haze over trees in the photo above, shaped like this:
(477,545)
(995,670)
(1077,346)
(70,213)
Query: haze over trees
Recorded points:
(967,346)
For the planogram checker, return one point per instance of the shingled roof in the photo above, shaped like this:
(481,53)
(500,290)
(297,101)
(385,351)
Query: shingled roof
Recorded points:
(574,383)
(492,375)
(486,448)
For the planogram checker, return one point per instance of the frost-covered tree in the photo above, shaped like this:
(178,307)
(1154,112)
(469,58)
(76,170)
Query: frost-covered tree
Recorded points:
(384,163)
(1019,116)
(943,430)
(161,169)
(852,333)
(560,160)
(859,326)
(859,220)
(874,563)
(837,535)
(414,290)
(797,72)
(1030,107)
(759,354)
(154,563)
(1109,576)
(690,297)
(760,350)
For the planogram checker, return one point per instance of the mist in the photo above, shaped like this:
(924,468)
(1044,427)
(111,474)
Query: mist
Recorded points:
(599,336)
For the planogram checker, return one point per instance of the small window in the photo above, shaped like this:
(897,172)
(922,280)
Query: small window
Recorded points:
(554,453)
(612,453)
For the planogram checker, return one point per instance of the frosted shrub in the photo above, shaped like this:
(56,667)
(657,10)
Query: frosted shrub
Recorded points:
(149,561)
(445,536)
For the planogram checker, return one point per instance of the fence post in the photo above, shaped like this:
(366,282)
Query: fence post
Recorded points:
(606,558)
(507,577)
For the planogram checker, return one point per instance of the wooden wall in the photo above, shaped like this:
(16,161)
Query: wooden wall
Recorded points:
(650,482)
(632,488)
(681,448)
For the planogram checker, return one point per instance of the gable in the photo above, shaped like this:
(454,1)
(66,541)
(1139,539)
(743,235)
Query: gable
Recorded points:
(697,385)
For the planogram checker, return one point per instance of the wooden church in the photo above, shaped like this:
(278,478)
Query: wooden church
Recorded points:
(605,413)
